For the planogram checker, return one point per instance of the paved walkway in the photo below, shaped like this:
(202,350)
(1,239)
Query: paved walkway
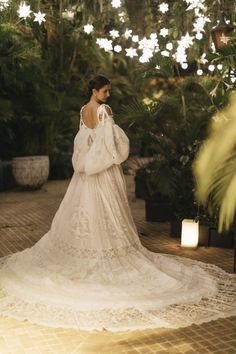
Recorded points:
(26,216)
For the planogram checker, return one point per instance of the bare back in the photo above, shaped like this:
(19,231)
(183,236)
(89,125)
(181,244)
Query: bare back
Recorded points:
(89,114)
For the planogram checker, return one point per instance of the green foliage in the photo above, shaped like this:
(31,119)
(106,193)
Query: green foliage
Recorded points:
(215,166)
(173,128)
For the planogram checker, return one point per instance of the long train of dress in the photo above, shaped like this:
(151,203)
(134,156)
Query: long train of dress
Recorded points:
(90,270)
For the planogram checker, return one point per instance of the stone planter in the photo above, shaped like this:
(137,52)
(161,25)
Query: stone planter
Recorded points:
(30,172)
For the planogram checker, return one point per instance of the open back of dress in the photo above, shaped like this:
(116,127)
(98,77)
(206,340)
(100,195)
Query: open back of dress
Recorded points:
(90,270)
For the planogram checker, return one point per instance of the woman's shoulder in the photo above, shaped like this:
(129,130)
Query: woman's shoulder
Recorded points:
(105,107)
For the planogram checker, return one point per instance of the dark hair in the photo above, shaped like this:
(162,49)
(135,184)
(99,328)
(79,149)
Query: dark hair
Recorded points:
(97,83)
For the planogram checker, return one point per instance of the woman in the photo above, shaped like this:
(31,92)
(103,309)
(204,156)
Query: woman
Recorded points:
(90,271)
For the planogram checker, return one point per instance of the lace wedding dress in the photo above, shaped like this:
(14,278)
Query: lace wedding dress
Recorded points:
(90,271)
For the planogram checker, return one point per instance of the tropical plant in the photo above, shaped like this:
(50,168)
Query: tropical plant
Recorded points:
(174,126)
(215,166)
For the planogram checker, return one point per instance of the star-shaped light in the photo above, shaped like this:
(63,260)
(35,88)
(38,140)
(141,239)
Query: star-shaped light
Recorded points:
(114,33)
(128,33)
(4,4)
(169,46)
(68,15)
(164,32)
(153,36)
(180,55)
(88,28)
(163,7)
(165,53)
(186,41)
(117,48)
(131,52)
(39,17)
(116,3)
(135,38)
(143,59)
(233,79)
(147,53)
(24,10)
(195,4)
(198,25)
(105,44)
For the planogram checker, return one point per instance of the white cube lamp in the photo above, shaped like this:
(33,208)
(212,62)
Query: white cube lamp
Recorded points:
(189,233)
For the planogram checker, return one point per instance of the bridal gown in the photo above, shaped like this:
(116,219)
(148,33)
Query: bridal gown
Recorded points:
(90,270)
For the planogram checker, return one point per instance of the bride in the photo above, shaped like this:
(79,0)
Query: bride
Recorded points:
(90,270)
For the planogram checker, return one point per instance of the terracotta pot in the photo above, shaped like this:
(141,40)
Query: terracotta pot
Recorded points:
(30,172)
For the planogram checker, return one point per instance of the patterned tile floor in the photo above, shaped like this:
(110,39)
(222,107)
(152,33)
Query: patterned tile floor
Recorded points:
(26,216)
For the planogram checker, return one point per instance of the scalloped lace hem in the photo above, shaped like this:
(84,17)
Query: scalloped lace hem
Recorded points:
(131,317)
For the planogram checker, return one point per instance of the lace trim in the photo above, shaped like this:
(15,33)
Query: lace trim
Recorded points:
(222,305)
(108,253)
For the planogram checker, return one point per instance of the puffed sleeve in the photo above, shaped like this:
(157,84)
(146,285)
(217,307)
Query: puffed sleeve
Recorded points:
(81,147)
(110,146)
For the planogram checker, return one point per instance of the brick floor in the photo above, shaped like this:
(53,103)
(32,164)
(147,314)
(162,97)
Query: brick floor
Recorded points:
(26,216)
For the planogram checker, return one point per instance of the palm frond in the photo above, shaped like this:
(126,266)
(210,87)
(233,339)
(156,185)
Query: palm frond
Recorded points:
(215,166)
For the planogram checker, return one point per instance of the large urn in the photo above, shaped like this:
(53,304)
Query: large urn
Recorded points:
(30,172)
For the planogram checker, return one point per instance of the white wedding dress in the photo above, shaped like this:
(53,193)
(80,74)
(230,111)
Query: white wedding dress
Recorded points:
(90,271)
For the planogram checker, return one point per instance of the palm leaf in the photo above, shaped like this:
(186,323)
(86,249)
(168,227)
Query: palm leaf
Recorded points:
(215,166)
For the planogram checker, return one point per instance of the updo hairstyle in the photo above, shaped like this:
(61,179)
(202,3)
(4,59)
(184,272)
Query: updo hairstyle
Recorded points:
(97,83)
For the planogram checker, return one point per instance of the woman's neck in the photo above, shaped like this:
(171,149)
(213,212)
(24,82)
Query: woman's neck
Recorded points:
(94,100)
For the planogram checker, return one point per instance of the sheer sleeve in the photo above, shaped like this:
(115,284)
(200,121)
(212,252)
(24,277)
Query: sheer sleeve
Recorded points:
(110,146)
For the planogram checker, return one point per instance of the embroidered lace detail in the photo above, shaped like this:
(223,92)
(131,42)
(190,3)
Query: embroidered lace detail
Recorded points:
(90,270)
(120,318)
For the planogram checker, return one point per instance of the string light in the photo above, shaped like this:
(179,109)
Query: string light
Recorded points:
(4,4)
(131,52)
(199,72)
(184,66)
(128,33)
(165,53)
(68,15)
(164,32)
(163,7)
(39,17)
(114,33)
(116,3)
(169,46)
(117,48)
(135,38)
(24,10)
(105,44)
(88,28)
(211,67)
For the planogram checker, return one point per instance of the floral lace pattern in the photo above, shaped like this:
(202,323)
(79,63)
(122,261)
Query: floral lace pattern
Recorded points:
(90,270)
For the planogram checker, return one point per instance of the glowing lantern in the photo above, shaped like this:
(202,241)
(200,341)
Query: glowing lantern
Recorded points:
(189,233)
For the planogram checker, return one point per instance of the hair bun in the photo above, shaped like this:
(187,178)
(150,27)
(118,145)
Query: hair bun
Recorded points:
(91,84)
(97,82)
